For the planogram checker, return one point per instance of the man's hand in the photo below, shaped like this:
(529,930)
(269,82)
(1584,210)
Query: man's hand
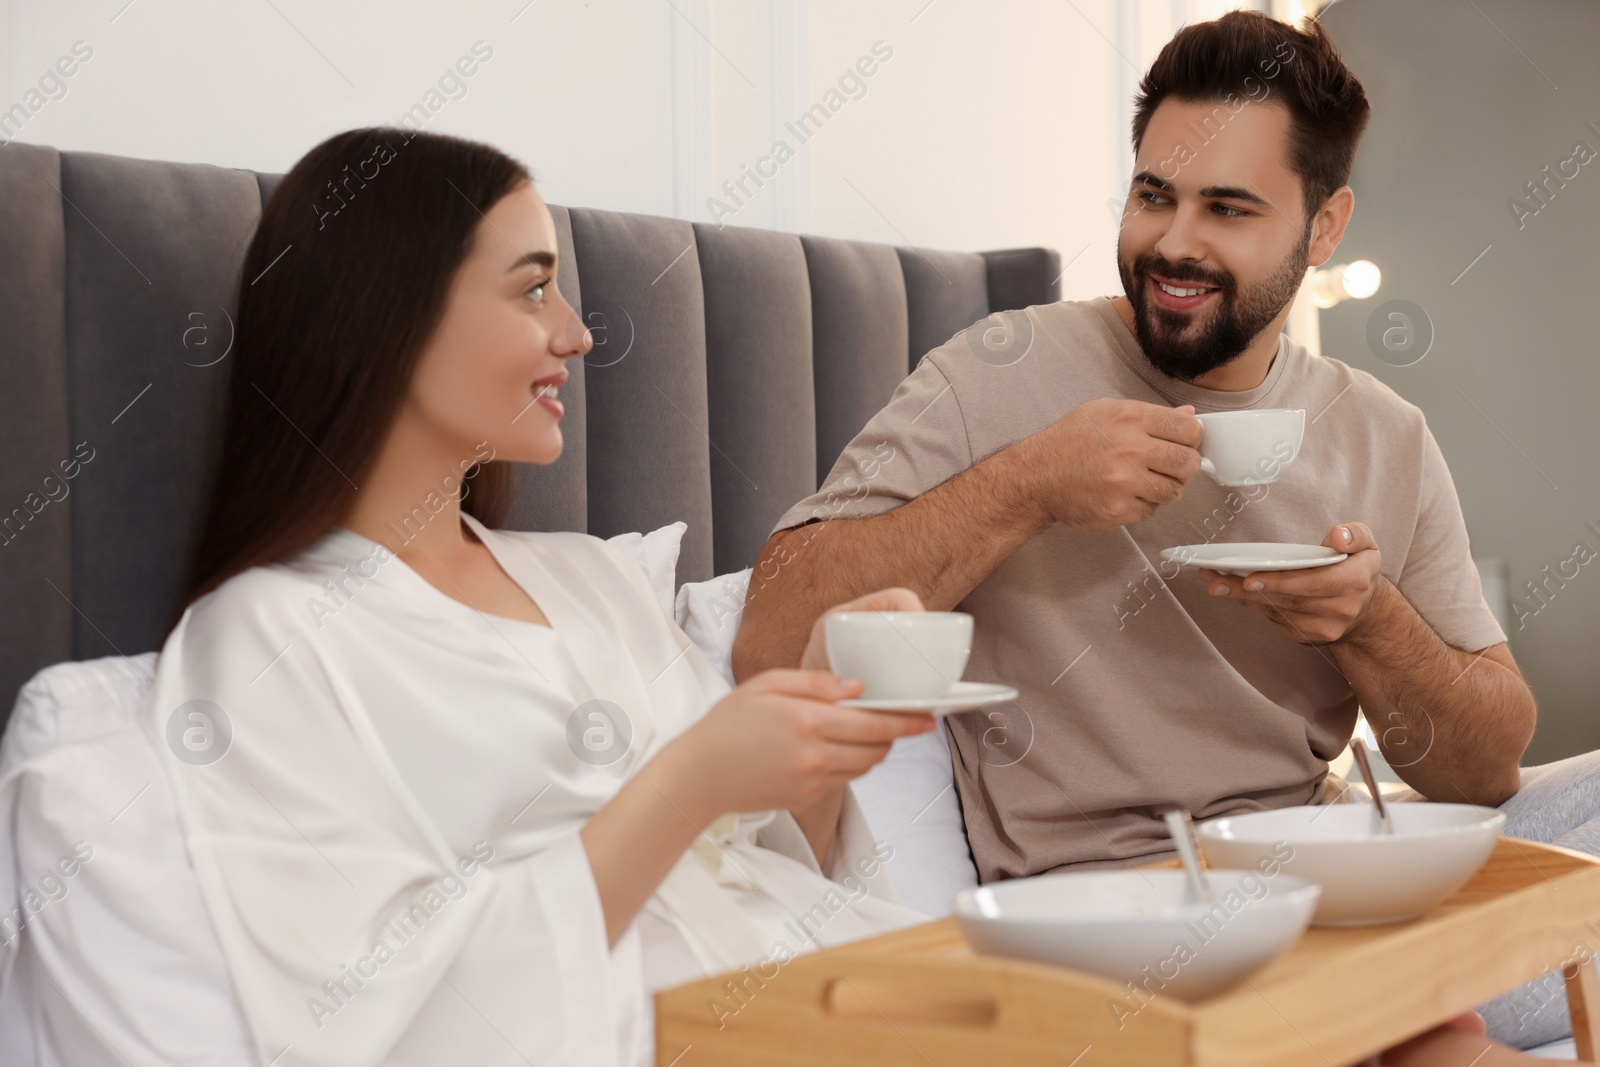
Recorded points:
(1317,605)
(1469,712)
(1111,462)
(1102,465)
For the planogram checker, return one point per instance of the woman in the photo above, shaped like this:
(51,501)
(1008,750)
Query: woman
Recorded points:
(453,794)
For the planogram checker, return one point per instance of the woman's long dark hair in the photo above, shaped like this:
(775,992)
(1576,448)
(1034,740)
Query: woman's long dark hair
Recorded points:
(345,280)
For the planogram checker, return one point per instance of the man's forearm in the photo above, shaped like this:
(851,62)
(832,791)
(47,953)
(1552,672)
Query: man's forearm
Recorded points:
(1453,724)
(940,546)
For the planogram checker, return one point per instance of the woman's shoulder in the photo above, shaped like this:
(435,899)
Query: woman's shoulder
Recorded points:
(565,544)
(579,556)
(270,600)
(596,568)
(562,545)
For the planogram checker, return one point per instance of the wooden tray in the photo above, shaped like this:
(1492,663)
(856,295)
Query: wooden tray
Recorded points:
(921,997)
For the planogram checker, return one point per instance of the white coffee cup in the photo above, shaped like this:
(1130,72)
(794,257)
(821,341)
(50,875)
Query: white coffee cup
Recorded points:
(901,655)
(1250,447)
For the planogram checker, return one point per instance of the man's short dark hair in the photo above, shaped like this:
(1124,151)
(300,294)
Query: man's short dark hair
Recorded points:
(1234,56)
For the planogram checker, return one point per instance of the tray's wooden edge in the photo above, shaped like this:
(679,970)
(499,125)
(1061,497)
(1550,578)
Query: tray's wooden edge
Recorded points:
(1429,972)
(786,1020)
(842,1000)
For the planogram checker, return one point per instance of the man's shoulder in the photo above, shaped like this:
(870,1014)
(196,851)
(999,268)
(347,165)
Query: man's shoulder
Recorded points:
(1022,340)
(1347,393)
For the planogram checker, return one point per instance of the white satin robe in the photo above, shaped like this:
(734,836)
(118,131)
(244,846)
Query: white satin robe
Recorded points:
(388,846)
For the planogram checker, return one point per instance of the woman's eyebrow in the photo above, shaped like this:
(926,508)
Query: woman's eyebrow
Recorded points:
(547,260)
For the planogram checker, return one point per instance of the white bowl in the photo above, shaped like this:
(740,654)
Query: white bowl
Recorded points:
(1366,878)
(1141,926)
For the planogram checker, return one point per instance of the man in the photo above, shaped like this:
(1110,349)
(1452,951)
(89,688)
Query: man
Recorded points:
(1035,485)
(1031,472)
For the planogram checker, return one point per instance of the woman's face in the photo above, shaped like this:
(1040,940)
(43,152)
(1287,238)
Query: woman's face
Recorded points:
(492,370)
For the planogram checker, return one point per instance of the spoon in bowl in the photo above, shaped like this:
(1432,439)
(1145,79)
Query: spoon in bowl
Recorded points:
(1358,748)
(1181,827)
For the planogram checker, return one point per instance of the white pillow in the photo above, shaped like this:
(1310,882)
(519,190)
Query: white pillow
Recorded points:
(709,613)
(909,799)
(115,929)
(74,702)
(656,553)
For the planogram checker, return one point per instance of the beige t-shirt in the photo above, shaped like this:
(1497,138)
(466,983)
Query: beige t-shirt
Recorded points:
(1138,690)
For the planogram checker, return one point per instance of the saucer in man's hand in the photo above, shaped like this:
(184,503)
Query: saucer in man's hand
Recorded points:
(1247,557)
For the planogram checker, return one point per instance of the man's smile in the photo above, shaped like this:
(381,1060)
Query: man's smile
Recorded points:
(1177,296)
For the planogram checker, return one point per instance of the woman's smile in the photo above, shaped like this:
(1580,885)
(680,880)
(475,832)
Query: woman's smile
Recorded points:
(544,392)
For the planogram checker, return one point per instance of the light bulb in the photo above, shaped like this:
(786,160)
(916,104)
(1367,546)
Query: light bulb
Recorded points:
(1361,279)
(1348,281)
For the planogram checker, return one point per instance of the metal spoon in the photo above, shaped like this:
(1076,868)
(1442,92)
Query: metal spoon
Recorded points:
(1181,827)
(1358,748)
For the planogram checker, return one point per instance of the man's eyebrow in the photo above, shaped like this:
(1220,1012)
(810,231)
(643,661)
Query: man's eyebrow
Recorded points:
(1210,192)
(1232,192)
(547,260)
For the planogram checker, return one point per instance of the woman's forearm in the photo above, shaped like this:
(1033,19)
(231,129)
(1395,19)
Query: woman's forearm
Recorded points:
(638,836)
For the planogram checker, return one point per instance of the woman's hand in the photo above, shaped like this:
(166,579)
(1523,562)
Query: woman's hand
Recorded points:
(780,741)
(815,657)
(777,741)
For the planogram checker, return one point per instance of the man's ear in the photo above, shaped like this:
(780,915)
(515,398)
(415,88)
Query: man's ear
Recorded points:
(1328,225)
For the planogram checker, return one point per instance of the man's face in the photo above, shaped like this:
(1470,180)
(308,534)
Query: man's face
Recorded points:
(1213,206)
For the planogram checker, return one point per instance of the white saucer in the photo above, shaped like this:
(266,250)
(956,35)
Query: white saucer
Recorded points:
(1247,557)
(963,696)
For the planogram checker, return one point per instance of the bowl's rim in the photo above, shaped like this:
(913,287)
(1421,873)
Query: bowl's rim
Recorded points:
(1298,890)
(1213,829)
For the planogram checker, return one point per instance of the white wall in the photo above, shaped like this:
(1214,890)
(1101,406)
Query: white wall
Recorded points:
(582,91)
(989,126)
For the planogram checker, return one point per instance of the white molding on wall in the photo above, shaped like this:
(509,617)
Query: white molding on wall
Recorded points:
(788,75)
(692,121)
(1129,45)
(17,75)
(700,120)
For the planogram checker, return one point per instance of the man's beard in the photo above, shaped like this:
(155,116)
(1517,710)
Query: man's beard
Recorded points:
(1179,351)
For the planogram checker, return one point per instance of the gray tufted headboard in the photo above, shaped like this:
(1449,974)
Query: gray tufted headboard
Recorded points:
(731,367)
